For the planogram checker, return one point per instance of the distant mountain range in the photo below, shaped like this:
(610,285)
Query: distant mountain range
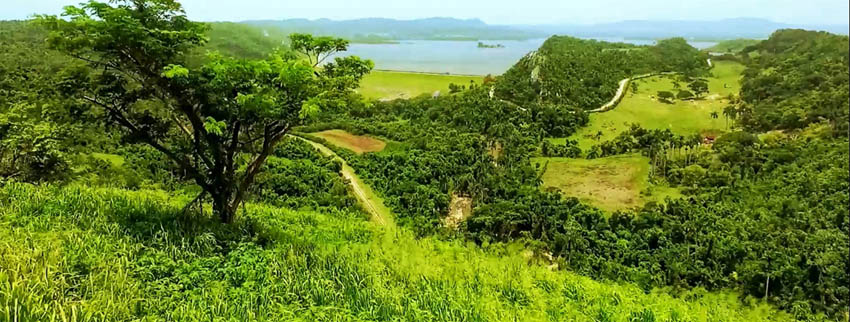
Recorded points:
(709,30)
(390,29)
(387,30)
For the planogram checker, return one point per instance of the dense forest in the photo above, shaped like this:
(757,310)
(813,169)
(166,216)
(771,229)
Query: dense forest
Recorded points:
(163,166)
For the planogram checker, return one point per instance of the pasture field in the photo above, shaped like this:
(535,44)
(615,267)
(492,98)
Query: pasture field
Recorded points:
(681,117)
(612,183)
(357,143)
(393,85)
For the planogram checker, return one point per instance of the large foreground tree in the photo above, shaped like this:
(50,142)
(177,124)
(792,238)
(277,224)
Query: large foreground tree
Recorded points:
(218,122)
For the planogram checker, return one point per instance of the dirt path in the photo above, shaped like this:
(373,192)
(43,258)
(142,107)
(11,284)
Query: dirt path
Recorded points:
(616,99)
(622,91)
(370,201)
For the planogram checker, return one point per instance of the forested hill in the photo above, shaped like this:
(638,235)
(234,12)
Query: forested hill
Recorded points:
(244,41)
(796,78)
(586,73)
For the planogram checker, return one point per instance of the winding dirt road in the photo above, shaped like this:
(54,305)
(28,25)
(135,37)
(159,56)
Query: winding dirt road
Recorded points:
(616,99)
(622,91)
(374,205)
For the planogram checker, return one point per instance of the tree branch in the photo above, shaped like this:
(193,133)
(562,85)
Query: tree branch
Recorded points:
(181,162)
(271,140)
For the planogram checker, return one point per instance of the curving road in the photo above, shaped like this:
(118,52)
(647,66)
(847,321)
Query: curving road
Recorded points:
(622,91)
(374,205)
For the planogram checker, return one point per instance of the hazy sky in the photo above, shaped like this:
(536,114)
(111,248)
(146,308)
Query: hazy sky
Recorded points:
(491,11)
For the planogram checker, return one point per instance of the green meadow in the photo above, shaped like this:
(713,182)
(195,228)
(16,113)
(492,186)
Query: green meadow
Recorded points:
(681,117)
(612,183)
(393,85)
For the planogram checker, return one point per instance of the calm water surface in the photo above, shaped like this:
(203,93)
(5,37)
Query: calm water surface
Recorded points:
(459,57)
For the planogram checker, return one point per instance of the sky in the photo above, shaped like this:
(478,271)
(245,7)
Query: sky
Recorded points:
(809,12)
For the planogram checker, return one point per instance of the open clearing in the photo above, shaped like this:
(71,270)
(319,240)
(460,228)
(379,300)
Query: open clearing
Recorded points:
(357,143)
(393,85)
(613,183)
(681,117)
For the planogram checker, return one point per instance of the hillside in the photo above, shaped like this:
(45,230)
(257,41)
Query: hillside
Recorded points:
(143,181)
(682,116)
(244,41)
(115,255)
(586,73)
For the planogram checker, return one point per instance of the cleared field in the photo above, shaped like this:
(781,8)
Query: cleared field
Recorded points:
(682,117)
(358,143)
(392,85)
(612,183)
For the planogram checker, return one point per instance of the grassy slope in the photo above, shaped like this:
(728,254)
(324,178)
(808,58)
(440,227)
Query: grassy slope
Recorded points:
(110,254)
(612,183)
(680,117)
(392,85)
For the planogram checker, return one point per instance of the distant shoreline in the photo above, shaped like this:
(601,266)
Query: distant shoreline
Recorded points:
(426,73)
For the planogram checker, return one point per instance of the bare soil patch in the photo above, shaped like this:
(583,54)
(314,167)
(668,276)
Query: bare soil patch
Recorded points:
(357,143)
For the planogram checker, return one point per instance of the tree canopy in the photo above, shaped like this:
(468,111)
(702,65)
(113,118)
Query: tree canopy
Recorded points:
(219,122)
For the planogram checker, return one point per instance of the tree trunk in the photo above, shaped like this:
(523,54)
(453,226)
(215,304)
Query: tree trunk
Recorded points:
(766,287)
(222,207)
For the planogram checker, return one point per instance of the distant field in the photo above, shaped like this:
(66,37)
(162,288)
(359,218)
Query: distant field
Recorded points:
(612,183)
(392,85)
(358,143)
(681,117)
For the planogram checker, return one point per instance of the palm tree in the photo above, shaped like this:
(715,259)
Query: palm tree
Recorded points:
(730,112)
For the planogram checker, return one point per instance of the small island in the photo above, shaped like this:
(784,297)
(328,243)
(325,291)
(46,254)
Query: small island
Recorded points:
(483,45)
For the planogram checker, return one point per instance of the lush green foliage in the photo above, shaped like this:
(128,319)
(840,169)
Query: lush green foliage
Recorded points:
(648,142)
(472,144)
(238,41)
(34,143)
(220,122)
(763,215)
(586,73)
(776,211)
(297,176)
(569,149)
(798,77)
(683,117)
(83,254)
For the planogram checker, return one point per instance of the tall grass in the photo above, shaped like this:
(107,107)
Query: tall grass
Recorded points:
(84,254)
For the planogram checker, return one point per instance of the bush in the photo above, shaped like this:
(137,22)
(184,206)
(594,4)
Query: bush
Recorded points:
(569,149)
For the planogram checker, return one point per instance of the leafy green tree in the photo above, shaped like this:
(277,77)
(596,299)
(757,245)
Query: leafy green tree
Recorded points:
(31,145)
(317,49)
(219,122)
(699,87)
(36,144)
(684,95)
(666,97)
